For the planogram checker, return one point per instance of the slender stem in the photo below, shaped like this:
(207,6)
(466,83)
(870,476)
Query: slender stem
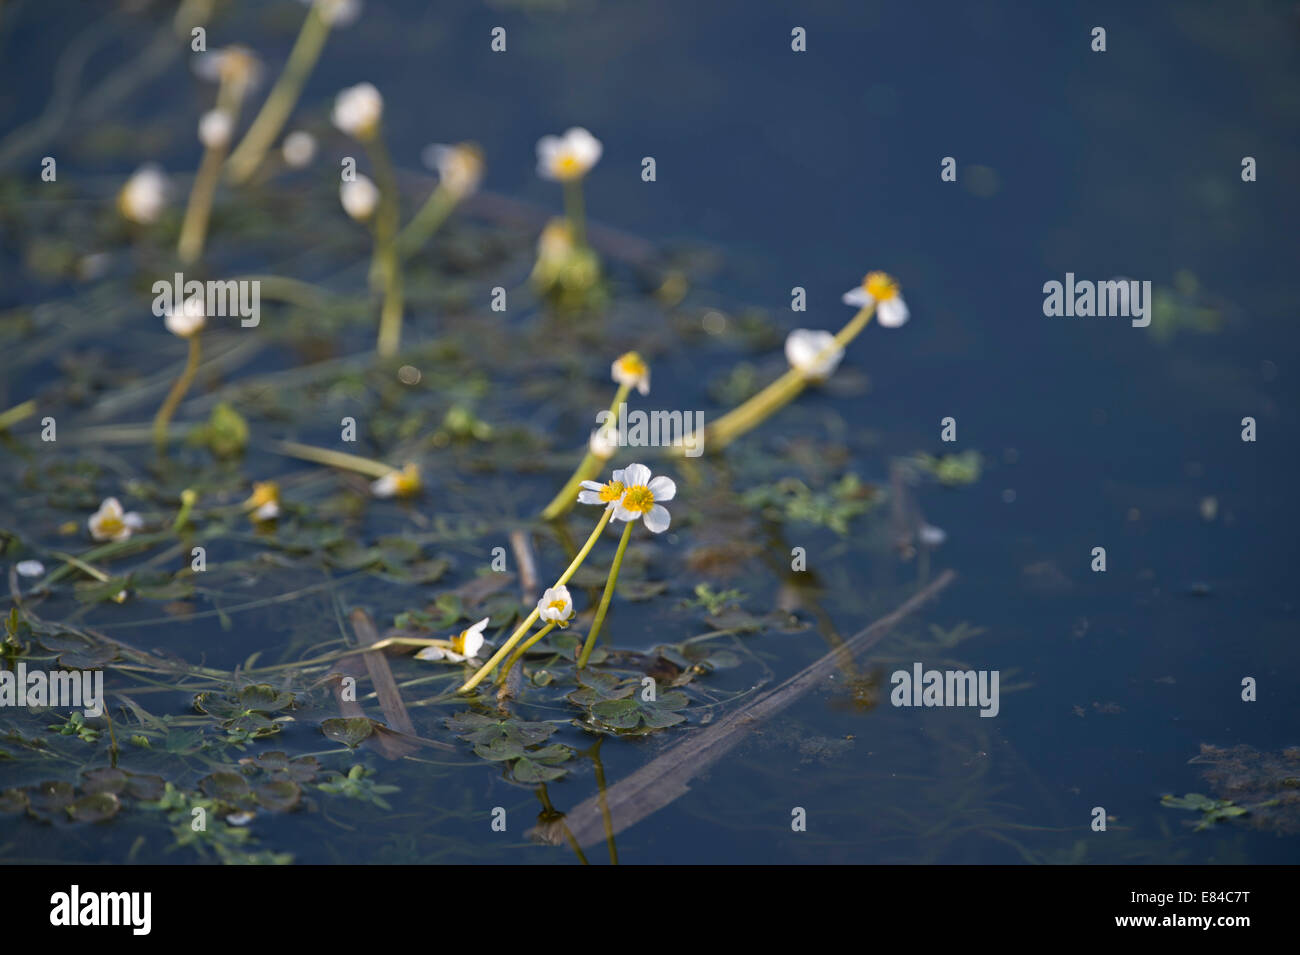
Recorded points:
(524,627)
(426,222)
(17,413)
(605,597)
(605,817)
(336,459)
(194,228)
(282,99)
(522,649)
(188,497)
(387,261)
(587,469)
(181,385)
(573,211)
(718,434)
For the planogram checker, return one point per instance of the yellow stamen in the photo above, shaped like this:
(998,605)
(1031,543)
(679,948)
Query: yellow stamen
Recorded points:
(880,286)
(611,492)
(639,499)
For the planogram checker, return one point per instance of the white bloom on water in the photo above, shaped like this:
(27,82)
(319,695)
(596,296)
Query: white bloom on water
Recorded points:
(358,110)
(643,496)
(111,523)
(337,13)
(567,157)
(931,536)
(29,568)
(459,167)
(396,483)
(239,818)
(630,369)
(189,320)
(603,443)
(215,129)
(881,288)
(607,494)
(144,196)
(462,647)
(298,149)
(814,354)
(359,196)
(556,605)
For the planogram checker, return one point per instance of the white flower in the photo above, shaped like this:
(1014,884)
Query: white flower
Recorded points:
(607,494)
(236,65)
(814,354)
(144,196)
(396,483)
(641,498)
(461,647)
(631,370)
(359,197)
(29,568)
(556,605)
(110,523)
(459,167)
(880,288)
(215,128)
(298,149)
(337,13)
(603,442)
(189,320)
(357,110)
(931,536)
(569,156)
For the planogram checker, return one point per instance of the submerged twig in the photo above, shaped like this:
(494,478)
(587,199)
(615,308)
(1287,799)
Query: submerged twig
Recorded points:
(662,780)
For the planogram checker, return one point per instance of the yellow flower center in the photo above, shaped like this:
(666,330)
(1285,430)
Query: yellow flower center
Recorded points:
(632,365)
(264,492)
(638,499)
(611,492)
(408,480)
(557,605)
(880,286)
(458,643)
(110,526)
(568,167)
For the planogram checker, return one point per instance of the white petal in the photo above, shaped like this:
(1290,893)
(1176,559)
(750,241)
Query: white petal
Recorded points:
(589,497)
(657,518)
(431,653)
(636,475)
(892,312)
(663,488)
(621,513)
(478,627)
(857,297)
(586,148)
(133,521)
(619,476)
(473,643)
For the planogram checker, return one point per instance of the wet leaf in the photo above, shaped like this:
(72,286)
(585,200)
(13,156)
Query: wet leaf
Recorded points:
(94,807)
(348,731)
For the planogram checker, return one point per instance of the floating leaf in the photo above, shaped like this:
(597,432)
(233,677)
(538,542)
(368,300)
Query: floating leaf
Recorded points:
(94,807)
(348,731)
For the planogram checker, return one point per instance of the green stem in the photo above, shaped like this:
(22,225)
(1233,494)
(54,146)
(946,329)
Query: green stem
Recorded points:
(605,597)
(573,211)
(181,385)
(524,627)
(194,228)
(282,99)
(386,254)
(587,469)
(335,459)
(426,222)
(522,649)
(17,413)
(718,434)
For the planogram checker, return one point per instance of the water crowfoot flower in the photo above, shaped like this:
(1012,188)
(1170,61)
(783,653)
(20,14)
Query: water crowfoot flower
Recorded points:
(187,324)
(264,502)
(568,159)
(460,170)
(876,290)
(111,523)
(403,483)
(640,499)
(236,70)
(359,197)
(464,646)
(814,354)
(358,111)
(631,371)
(321,17)
(556,609)
(298,149)
(144,196)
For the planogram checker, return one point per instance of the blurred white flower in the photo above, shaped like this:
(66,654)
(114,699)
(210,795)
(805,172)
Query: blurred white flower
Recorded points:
(189,320)
(236,66)
(215,129)
(111,523)
(643,496)
(459,167)
(395,483)
(299,149)
(880,287)
(631,370)
(603,442)
(144,196)
(813,353)
(337,13)
(29,568)
(358,110)
(359,198)
(569,156)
